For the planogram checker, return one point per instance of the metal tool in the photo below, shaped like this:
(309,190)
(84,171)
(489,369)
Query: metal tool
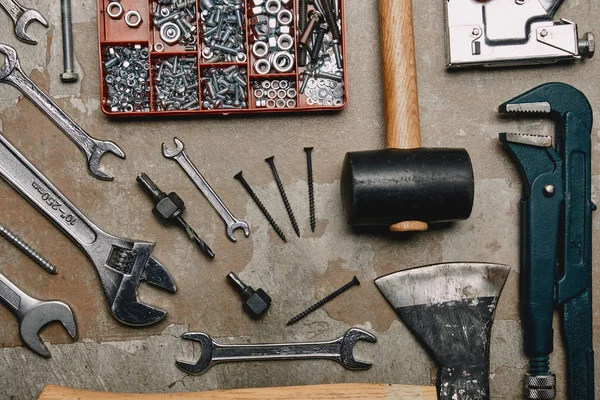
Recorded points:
(286,201)
(22,17)
(180,155)
(556,235)
(93,149)
(339,350)
(68,75)
(404,187)
(168,209)
(255,302)
(511,32)
(450,308)
(121,263)
(34,314)
(27,250)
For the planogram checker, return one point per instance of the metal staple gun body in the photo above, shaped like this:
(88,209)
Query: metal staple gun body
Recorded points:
(121,263)
(93,149)
(495,33)
(556,234)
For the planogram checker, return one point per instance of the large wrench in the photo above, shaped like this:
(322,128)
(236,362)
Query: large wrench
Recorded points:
(340,350)
(93,149)
(180,155)
(34,314)
(22,17)
(121,263)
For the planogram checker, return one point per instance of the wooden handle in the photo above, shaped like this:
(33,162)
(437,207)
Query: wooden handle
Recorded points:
(347,391)
(399,74)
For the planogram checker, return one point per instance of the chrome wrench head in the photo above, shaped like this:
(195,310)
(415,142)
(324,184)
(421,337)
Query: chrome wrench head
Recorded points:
(232,224)
(23,22)
(40,315)
(206,353)
(93,149)
(349,340)
(11,61)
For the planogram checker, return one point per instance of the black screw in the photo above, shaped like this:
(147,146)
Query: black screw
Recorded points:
(311,187)
(302,21)
(286,202)
(260,205)
(314,307)
(168,208)
(331,19)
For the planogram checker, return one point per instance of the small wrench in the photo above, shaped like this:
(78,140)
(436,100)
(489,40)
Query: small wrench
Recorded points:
(22,17)
(339,350)
(93,149)
(121,263)
(34,314)
(179,154)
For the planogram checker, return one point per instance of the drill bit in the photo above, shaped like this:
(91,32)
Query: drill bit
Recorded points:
(168,208)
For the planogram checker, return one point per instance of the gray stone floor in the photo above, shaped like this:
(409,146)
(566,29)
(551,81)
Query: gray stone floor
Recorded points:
(457,110)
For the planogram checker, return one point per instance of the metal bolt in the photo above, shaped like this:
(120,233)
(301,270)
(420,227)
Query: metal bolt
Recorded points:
(549,190)
(239,176)
(314,307)
(544,33)
(68,75)
(587,45)
(286,202)
(27,250)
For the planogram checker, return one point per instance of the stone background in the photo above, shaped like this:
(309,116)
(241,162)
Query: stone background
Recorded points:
(457,110)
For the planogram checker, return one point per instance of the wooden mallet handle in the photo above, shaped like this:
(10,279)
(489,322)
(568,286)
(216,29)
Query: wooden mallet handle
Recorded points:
(400,84)
(347,391)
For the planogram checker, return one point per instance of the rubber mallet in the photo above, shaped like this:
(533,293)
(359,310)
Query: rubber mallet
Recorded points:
(404,187)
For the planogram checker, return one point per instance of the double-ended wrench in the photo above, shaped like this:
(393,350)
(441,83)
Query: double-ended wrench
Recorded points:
(93,149)
(339,350)
(22,17)
(180,156)
(121,263)
(34,314)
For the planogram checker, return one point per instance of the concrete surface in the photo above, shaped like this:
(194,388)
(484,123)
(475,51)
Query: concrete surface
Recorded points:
(457,109)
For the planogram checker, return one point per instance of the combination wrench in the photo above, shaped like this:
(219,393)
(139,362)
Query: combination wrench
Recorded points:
(339,350)
(121,263)
(180,156)
(34,314)
(93,149)
(22,17)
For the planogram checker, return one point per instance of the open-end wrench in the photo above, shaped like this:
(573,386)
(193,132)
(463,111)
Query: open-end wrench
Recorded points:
(22,17)
(93,149)
(34,314)
(179,154)
(121,263)
(340,350)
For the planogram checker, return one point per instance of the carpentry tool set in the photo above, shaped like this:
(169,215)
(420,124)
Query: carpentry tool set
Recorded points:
(172,57)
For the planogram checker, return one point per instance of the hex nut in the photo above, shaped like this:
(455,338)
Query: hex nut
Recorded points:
(257,304)
(169,207)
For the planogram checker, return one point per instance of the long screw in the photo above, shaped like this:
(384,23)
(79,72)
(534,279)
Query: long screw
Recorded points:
(27,250)
(260,205)
(157,195)
(311,188)
(316,306)
(286,202)
(302,21)
(69,75)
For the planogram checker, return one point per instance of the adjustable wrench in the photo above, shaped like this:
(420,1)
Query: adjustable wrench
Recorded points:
(339,350)
(34,314)
(121,263)
(93,149)
(22,17)
(179,154)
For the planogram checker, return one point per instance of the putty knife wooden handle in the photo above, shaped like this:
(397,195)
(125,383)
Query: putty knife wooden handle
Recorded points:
(400,84)
(346,391)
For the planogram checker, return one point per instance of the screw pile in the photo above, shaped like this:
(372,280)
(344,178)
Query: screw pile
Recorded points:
(127,78)
(176,22)
(223,27)
(224,88)
(176,83)
(314,307)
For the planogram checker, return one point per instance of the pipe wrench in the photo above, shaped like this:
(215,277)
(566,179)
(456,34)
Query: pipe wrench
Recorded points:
(556,236)
(121,263)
